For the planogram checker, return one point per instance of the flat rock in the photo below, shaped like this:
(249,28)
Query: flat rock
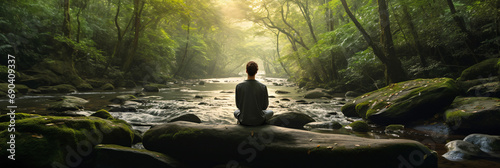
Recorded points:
(404,102)
(491,89)
(474,115)
(120,156)
(68,103)
(201,145)
(316,94)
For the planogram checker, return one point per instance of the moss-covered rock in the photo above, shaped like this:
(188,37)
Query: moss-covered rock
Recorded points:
(466,85)
(405,102)
(394,128)
(120,156)
(102,114)
(42,141)
(65,88)
(68,103)
(108,86)
(291,120)
(84,87)
(17,116)
(474,115)
(121,99)
(316,94)
(201,145)
(484,69)
(4,89)
(151,88)
(491,89)
(349,110)
(359,126)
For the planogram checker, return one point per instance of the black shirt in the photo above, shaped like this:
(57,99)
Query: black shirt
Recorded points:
(251,99)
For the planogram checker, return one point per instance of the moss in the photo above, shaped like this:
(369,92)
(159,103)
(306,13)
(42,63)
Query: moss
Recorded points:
(44,140)
(394,127)
(359,126)
(18,116)
(483,69)
(102,114)
(362,108)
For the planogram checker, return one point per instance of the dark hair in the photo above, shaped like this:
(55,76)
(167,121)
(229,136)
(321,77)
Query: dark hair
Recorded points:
(252,68)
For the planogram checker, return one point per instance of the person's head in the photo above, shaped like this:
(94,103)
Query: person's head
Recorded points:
(252,68)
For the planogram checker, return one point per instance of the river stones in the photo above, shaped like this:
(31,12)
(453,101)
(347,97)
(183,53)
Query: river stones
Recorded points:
(201,145)
(121,99)
(68,103)
(404,102)
(291,120)
(359,126)
(108,86)
(46,141)
(120,156)
(187,117)
(461,150)
(316,94)
(102,114)
(474,115)
(487,143)
(150,88)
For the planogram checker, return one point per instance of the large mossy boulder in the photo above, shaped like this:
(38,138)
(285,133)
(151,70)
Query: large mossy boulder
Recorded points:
(291,120)
(474,115)
(102,114)
(68,103)
(201,145)
(404,102)
(115,156)
(47,141)
(484,69)
(18,88)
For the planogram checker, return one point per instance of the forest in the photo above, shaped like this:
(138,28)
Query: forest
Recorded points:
(345,45)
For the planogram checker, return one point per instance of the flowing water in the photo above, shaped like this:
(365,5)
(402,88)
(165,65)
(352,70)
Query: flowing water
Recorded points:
(213,102)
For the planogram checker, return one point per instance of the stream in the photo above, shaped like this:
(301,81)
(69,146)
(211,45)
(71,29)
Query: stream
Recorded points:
(213,102)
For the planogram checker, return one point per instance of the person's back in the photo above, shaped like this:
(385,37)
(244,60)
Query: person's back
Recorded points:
(252,99)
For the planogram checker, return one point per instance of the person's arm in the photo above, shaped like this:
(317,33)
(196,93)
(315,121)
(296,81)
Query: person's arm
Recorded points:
(265,98)
(237,96)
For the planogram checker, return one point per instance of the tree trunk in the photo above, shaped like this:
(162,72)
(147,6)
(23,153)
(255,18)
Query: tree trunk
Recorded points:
(416,39)
(330,27)
(461,24)
(393,72)
(137,28)
(185,51)
(278,53)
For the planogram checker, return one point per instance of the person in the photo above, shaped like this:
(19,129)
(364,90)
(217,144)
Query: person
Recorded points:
(252,99)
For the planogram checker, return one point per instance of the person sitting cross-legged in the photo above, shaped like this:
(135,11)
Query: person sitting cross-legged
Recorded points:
(252,99)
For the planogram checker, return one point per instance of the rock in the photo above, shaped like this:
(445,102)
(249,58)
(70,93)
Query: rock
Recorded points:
(316,94)
(227,91)
(484,69)
(274,146)
(359,126)
(404,102)
(18,88)
(465,85)
(198,97)
(281,92)
(84,87)
(22,88)
(68,103)
(48,140)
(285,99)
(394,128)
(137,136)
(491,89)
(352,94)
(203,103)
(102,114)
(460,150)
(323,125)
(349,110)
(150,88)
(187,117)
(487,143)
(119,156)
(65,88)
(474,115)
(107,86)
(121,99)
(47,89)
(291,120)
(123,109)
(201,83)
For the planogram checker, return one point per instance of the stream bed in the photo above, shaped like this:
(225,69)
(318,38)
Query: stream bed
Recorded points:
(213,102)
